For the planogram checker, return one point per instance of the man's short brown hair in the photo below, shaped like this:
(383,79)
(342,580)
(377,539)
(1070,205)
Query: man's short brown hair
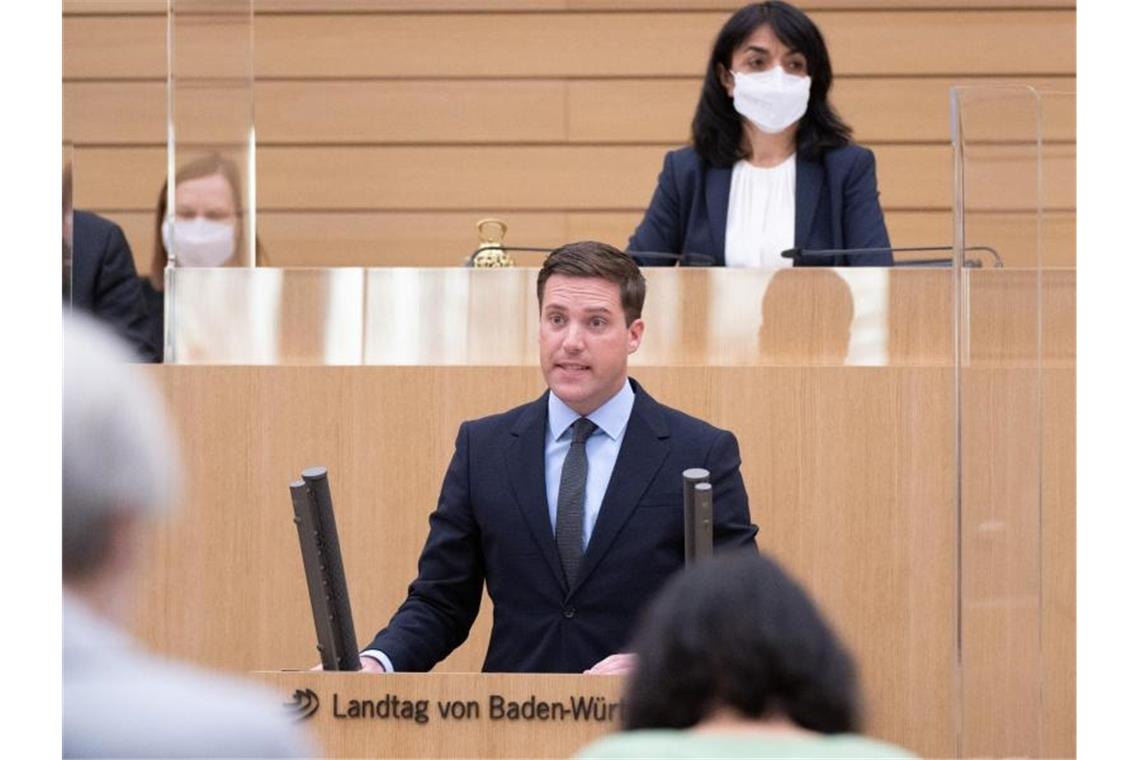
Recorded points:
(589,258)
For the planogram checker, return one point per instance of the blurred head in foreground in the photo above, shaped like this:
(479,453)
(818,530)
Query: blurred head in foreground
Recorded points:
(119,470)
(735,637)
(119,464)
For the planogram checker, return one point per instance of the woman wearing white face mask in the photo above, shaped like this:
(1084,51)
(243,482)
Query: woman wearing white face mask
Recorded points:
(772,166)
(206,229)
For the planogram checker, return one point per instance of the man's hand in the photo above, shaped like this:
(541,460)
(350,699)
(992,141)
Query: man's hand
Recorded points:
(614,665)
(367,665)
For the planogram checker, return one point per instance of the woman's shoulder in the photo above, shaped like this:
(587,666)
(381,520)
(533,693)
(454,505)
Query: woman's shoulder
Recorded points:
(847,155)
(683,157)
(686,166)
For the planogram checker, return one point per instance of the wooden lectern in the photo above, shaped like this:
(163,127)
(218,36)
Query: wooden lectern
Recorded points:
(450,714)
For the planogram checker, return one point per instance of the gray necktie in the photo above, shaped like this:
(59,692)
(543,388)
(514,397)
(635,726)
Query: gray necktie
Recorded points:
(571,500)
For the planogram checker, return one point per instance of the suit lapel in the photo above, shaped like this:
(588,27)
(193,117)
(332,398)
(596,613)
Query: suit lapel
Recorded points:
(717,183)
(525,456)
(643,450)
(809,184)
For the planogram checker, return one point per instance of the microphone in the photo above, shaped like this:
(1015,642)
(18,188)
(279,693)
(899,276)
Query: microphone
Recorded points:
(663,259)
(697,513)
(798,255)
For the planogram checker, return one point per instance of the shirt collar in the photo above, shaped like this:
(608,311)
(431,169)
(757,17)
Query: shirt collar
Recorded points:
(611,417)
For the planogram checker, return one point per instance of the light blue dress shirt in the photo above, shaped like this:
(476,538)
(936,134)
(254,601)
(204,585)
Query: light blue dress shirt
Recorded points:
(612,419)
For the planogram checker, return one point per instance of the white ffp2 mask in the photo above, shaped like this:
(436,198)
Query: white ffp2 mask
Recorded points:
(773,100)
(198,242)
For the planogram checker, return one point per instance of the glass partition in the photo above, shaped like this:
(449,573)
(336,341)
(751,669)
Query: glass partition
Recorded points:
(999,159)
(858,317)
(209,210)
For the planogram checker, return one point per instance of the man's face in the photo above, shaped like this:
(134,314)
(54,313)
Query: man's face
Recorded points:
(583,340)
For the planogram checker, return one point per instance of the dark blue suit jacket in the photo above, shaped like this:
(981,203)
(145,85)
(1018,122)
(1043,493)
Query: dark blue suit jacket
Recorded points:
(837,206)
(104,282)
(492,524)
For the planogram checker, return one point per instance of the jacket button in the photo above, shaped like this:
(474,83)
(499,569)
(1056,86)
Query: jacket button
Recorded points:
(568,613)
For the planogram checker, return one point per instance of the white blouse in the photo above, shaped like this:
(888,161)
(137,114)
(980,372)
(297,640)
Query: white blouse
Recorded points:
(761,215)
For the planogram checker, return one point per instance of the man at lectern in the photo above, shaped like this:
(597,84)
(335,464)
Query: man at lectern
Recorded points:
(119,471)
(569,507)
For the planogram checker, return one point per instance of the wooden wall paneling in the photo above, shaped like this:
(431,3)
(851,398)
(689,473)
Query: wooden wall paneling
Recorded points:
(307,114)
(74,7)
(442,238)
(582,44)
(114,112)
(1004,177)
(522,177)
(114,47)
(388,111)
(894,109)
(113,7)
(811,6)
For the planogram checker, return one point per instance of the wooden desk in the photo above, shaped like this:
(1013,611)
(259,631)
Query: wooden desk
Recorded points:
(852,473)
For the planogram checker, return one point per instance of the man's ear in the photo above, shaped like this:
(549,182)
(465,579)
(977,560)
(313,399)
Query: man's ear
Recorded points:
(635,332)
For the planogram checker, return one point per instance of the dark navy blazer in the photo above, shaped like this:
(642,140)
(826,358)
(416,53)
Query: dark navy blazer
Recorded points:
(837,206)
(104,281)
(492,524)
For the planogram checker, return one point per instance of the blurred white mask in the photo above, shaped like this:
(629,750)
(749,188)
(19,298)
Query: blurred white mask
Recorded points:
(198,242)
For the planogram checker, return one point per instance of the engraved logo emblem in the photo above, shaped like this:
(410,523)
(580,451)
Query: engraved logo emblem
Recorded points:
(304,705)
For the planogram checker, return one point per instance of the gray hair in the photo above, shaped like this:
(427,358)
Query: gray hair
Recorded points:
(119,458)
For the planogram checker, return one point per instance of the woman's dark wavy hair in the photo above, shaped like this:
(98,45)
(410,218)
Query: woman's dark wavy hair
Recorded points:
(736,631)
(717,127)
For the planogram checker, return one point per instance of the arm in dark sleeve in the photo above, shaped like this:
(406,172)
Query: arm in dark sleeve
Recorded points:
(443,600)
(118,298)
(660,228)
(732,521)
(863,225)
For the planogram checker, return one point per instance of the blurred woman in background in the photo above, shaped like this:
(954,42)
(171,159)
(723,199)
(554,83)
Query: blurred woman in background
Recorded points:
(771,166)
(206,230)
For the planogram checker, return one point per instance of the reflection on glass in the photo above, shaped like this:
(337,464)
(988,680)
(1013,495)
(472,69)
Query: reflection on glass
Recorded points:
(267,316)
(807,316)
(799,326)
(210,135)
(704,317)
(220,318)
(870,333)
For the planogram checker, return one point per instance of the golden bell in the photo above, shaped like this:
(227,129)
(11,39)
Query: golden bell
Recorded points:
(490,252)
